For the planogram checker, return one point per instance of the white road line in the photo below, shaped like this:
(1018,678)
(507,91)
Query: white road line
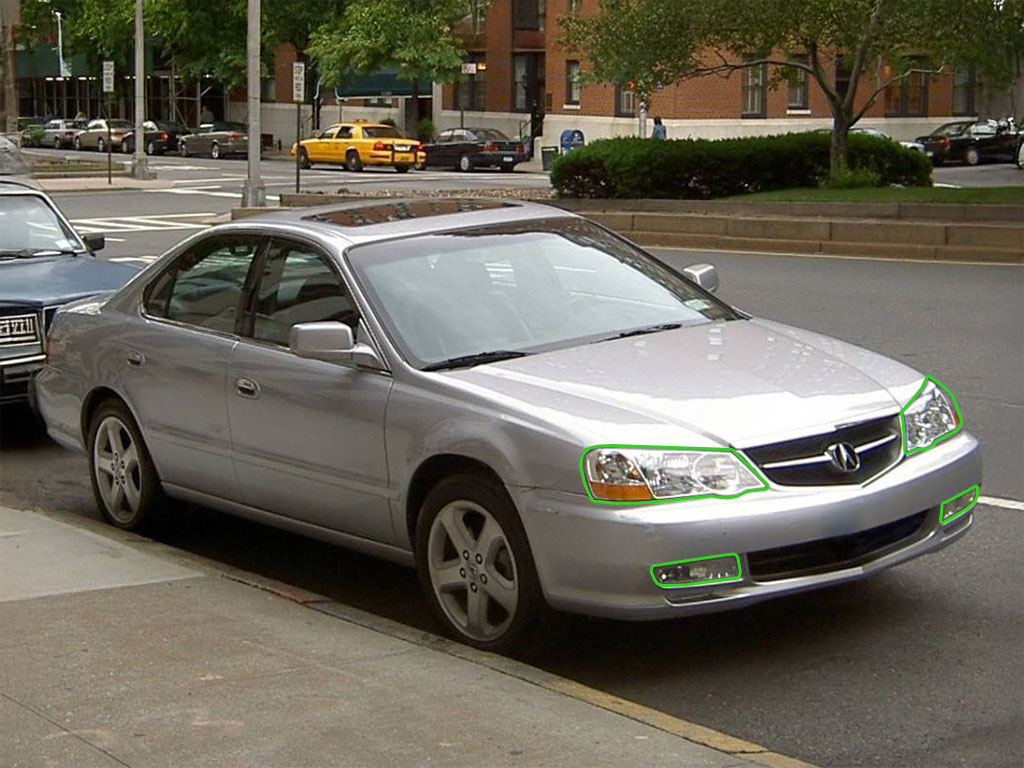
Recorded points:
(995,501)
(132,224)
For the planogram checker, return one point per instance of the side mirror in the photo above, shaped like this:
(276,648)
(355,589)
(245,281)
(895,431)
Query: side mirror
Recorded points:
(94,242)
(331,342)
(704,275)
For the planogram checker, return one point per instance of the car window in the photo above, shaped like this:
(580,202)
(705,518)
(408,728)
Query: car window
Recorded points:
(96,124)
(53,125)
(121,125)
(443,136)
(489,134)
(950,129)
(381,132)
(27,223)
(345,132)
(983,128)
(203,287)
(327,133)
(82,124)
(298,286)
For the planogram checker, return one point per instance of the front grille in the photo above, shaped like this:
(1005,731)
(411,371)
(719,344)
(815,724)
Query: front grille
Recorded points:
(19,328)
(805,461)
(835,553)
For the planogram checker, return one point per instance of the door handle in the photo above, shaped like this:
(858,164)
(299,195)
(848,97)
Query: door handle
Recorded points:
(247,388)
(136,358)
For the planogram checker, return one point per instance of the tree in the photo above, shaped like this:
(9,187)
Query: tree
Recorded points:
(845,46)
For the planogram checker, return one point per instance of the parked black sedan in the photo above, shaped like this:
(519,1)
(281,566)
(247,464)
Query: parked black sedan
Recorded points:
(469,148)
(44,263)
(159,136)
(970,141)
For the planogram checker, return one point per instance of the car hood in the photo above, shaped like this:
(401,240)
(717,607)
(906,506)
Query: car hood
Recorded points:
(739,383)
(45,281)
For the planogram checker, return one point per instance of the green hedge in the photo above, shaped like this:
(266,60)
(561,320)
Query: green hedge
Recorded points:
(700,169)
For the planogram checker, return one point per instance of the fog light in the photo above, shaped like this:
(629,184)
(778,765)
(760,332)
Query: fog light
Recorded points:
(956,506)
(697,570)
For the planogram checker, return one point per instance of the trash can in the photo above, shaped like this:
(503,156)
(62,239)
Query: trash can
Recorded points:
(547,157)
(570,139)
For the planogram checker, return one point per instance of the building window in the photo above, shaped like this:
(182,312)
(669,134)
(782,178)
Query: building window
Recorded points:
(471,93)
(478,16)
(526,14)
(907,97)
(798,90)
(572,82)
(844,74)
(380,101)
(753,91)
(963,91)
(575,7)
(526,85)
(625,101)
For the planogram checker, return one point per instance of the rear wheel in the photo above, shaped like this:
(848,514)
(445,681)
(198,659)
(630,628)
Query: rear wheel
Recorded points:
(972,156)
(126,147)
(150,147)
(304,158)
(402,168)
(182,149)
(352,161)
(215,151)
(78,143)
(124,480)
(101,145)
(475,564)
(465,164)
(1020,155)
(57,143)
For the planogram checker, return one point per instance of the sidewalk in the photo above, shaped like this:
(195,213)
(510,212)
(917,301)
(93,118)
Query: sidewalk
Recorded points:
(116,650)
(99,184)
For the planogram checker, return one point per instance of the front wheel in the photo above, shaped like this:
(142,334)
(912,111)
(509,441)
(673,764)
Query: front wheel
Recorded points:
(215,151)
(475,565)
(78,144)
(101,145)
(1020,155)
(182,149)
(126,148)
(972,156)
(124,480)
(150,148)
(465,164)
(304,158)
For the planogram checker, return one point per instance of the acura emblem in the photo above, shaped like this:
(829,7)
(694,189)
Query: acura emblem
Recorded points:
(844,458)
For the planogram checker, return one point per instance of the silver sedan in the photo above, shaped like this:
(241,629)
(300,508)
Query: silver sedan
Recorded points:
(533,412)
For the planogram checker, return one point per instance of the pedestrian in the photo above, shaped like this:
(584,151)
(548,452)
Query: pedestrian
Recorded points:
(80,115)
(658,132)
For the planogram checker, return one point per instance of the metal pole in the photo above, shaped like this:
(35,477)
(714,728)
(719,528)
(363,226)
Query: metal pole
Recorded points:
(298,147)
(253,192)
(60,44)
(139,169)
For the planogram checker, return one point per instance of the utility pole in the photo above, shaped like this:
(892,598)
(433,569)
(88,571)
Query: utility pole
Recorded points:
(253,192)
(139,166)
(8,18)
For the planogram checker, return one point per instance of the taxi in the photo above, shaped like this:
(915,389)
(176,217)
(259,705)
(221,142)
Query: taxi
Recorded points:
(358,144)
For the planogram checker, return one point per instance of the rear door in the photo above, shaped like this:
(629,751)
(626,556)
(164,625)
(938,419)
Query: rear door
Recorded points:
(308,435)
(342,141)
(176,358)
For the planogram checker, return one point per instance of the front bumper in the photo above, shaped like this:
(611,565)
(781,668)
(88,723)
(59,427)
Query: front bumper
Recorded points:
(16,378)
(596,558)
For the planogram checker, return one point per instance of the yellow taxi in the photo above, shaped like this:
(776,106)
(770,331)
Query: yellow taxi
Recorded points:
(358,144)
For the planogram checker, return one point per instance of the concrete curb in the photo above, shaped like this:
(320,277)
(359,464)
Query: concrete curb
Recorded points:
(99,184)
(744,751)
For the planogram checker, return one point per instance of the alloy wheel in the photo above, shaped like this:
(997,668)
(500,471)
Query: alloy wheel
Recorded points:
(473,570)
(117,469)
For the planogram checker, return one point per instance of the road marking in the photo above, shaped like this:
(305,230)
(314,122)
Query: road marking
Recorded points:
(157,223)
(995,501)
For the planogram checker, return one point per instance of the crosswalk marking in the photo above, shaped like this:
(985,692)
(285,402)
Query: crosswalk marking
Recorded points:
(155,223)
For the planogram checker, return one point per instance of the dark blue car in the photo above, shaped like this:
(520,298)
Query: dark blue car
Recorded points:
(44,263)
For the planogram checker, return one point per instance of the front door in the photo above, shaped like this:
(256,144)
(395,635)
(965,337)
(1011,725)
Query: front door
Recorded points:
(308,436)
(176,356)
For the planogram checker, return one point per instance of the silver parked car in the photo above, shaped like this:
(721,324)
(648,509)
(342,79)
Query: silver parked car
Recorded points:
(220,139)
(98,132)
(60,134)
(528,408)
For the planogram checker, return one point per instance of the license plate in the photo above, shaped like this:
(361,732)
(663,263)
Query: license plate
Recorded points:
(18,329)
(401,147)
(929,153)
(507,159)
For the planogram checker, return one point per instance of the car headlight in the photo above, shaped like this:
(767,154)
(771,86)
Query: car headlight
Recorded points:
(931,415)
(640,473)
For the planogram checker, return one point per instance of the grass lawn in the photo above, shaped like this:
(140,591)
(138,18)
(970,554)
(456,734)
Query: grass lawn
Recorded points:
(989,195)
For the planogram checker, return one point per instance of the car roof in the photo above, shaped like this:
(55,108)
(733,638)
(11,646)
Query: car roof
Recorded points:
(377,219)
(19,185)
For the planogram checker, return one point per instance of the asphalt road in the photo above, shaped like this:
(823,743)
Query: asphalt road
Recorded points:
(920,666)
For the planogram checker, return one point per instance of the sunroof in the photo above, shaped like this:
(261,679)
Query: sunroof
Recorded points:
(403,210)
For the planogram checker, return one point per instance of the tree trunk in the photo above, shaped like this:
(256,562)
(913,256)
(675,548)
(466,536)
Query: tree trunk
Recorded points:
(838,157)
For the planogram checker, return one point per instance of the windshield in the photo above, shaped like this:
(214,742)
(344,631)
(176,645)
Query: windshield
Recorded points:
(489,134)
(521,287)
(382,132)
(28,225)
(950,129)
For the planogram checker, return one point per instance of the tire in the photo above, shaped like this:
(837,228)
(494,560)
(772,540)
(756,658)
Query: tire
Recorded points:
(972,156)
(78,144)
(507,167)
(101,146)
(150,147)
(420,166)
(402,168)
(57,143)
(352,161)
(126,148)
(1020,155)
(124,480)
(182,149)
(475,566)
(304,158)
(465,164)
(215,151)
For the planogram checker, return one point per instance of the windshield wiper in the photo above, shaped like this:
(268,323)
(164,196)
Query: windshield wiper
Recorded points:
(642,331)
(478,358)
(27,253)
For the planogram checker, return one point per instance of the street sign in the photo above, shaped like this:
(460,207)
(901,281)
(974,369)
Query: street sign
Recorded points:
(299,82)
(469,67)
(108,77)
